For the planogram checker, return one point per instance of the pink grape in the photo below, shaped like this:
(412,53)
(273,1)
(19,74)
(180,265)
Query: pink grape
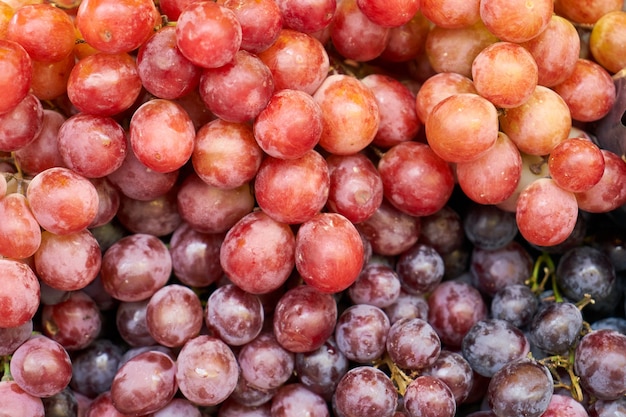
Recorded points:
(162,135)
(21,125)
(74,323)
(41,367)
(546,214)
(261,22)
(17,73)
(20,234)
(18,402)
(264,363)
(207,370)
(62,201)
(158,217)
(307,16)
(20,300)
(234,315)
(208,34)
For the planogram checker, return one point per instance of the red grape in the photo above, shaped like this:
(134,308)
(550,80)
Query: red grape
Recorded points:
(329,252)
(261,22)
(451,13)
(20,234)
(609,193)
(389,13)
(234,315)
(586,13)
(41,153)
(74,323)
(307,16)
(208,34)
(363,389)
(546,213)
(20,300)
(439,87)
(50,78)
(264,363)
(413,344)
(406,42)
(566,159)
(16,68)
(20,126)
(516,20)
(429,396)
(18,402)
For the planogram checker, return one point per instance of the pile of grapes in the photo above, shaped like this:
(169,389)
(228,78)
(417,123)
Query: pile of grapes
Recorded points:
(350,208)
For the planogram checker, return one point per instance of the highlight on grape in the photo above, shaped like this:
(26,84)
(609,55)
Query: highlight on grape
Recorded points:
(284,208)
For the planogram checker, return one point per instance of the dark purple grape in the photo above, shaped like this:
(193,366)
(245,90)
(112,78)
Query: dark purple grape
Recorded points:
(321,370)
(495,269)
(420,269)
(12,337)
(413,344)
(443,230)
(611,323)
(516,304)
(491,344)
(94,368)
(556,327)
(62,404)
(600,363)
(452,368)
(131,323)
(365,391)
(408,306)
(361,332)
(428,396)
(608,408)
(586,270)
(612,241)
(520,388)
(489,227)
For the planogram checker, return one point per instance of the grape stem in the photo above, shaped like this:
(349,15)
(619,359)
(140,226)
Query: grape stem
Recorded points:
(6,369)
(544,264)
(400,379)
(553,363)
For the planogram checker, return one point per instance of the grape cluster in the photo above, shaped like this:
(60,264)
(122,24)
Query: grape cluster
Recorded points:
(349,208)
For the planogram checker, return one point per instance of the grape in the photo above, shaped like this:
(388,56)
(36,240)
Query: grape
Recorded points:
(297,400)
(209,209)
(407,306)
(297,61)
(609,193)
(34,22)
(586,270)
(602,408)
(235,316)
(20,234)
(195,256)
(257,253)
(350,113)
(116,26)
(590,13)
(104,84)
(516,20)
(493,270)
(599,360)
(556,50)
(546,214)
(361,333)
(294,190)
(451,13)
(17,73)
(377,285)
(489,227)
(63,404)
(521,387)
(130,319)
(12,337)
(304,319)
(74,323)
(158,217)
(144,384)
(20,299)
(264,363)
(556,327)
(100,151)
(453,309)
(238,90)
(164,71)
(413,344)
(172,8)
(215,41)
(565,159)
(17,402)
(207,370)
(329,252)
(21,125)
(452,50)
(390,231)
(406,42)
(428,396)
(533,168)
(443,230)
(492,343)
(162,135)
(68,262)
(174,315)
(222,146)
(515,303)
(415,179)
(102,405)
(454,371)
(135,267)
(260,20)
(364,391)
(137,181)
(505,73)
(606,39)
(396,104)
(354,35)
(439,87)
(356,189)
(178,407)
(41,367)
(589,91)
(420,269)
(321,370)
(250,396)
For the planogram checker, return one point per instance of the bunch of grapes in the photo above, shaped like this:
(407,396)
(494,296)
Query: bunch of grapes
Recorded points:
(283,208)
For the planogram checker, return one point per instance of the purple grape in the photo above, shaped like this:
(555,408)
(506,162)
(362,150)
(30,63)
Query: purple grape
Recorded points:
(361,332)
(556,327)
(420,269)
(489,227)
(516,304)
(428,396)
(365,391)
(321,369)
(454,370)
(413,344)
(295,400)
